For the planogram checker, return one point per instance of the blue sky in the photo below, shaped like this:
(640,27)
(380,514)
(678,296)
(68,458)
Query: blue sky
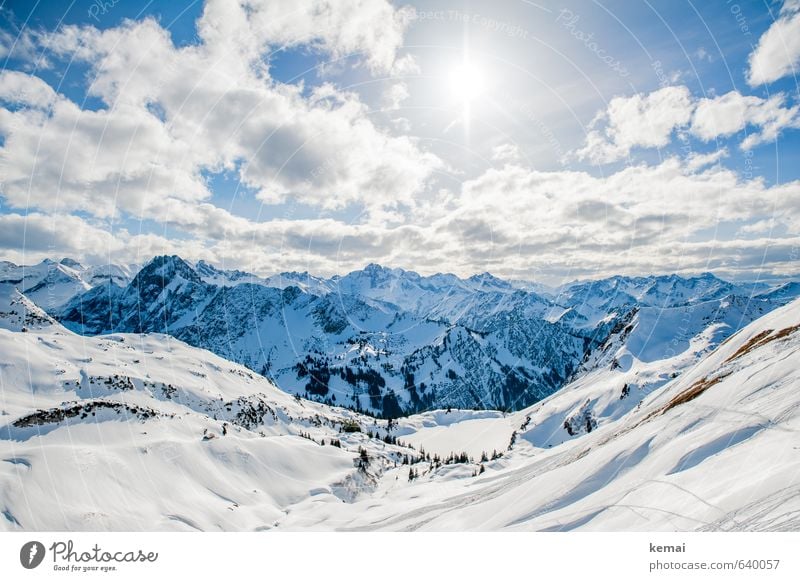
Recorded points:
(540,140)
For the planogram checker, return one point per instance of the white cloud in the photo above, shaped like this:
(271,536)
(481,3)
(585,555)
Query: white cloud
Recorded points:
(730,113)
(174,113)
(22,89)
(405,65)
(29,238)
(395,95)
(696,161)
(643,120)
(650,120)
(511,221)
(506,152)
(101,162)
(759,227)
(23,45)
(703,55)
(371,29)
(641,219)
(777,54)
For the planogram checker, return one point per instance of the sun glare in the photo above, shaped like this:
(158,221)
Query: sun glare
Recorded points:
(467,82)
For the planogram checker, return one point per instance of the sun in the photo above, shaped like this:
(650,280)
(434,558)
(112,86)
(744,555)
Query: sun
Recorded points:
(467,82)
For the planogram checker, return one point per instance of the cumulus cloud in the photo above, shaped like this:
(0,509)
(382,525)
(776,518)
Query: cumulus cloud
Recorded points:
(174,115)
(696,161)
(63,158)
(26,238)
(395,95)
(511,221)
(21,89)
(371,29)
(651,120)
(777,53)
(22,44)
(643,120)
(644,218)
(506,152)
(730,113)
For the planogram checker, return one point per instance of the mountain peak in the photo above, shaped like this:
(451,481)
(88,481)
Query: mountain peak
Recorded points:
(168,267)
(71,263)
(373,267)
(488,279)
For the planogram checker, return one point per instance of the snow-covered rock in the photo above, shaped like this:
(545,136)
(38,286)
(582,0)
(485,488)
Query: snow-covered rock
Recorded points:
(715,449)
(144,432)
(392,341)
(51,284)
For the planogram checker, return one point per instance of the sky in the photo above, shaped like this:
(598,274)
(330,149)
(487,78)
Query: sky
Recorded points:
(546,141)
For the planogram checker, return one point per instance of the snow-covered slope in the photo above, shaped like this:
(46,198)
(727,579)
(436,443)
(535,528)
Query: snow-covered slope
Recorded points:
(716,449)
(350,349)
(143,432)
(19,313)
(394,342)
(51,284)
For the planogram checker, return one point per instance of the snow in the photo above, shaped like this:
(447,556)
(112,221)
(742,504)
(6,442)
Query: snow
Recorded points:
(443,432)
(690,430)
(145,464)
(51,284)
(423,341)
(726,460)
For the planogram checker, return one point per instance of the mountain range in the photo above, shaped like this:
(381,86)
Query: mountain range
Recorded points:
(391,342)
(664,426)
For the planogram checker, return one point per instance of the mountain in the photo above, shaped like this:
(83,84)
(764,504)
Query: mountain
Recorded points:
(19,313)
(783,293)
(50,284)
(221,448)
(393,342)
(713,450)
(440,296)
(591,301)
(302,280)
(156,299)
(187,439)
(358,350)
(219,277)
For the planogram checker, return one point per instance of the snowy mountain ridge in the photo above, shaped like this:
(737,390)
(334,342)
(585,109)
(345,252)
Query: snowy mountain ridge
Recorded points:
(192,441)
(50,284)
(392,342)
